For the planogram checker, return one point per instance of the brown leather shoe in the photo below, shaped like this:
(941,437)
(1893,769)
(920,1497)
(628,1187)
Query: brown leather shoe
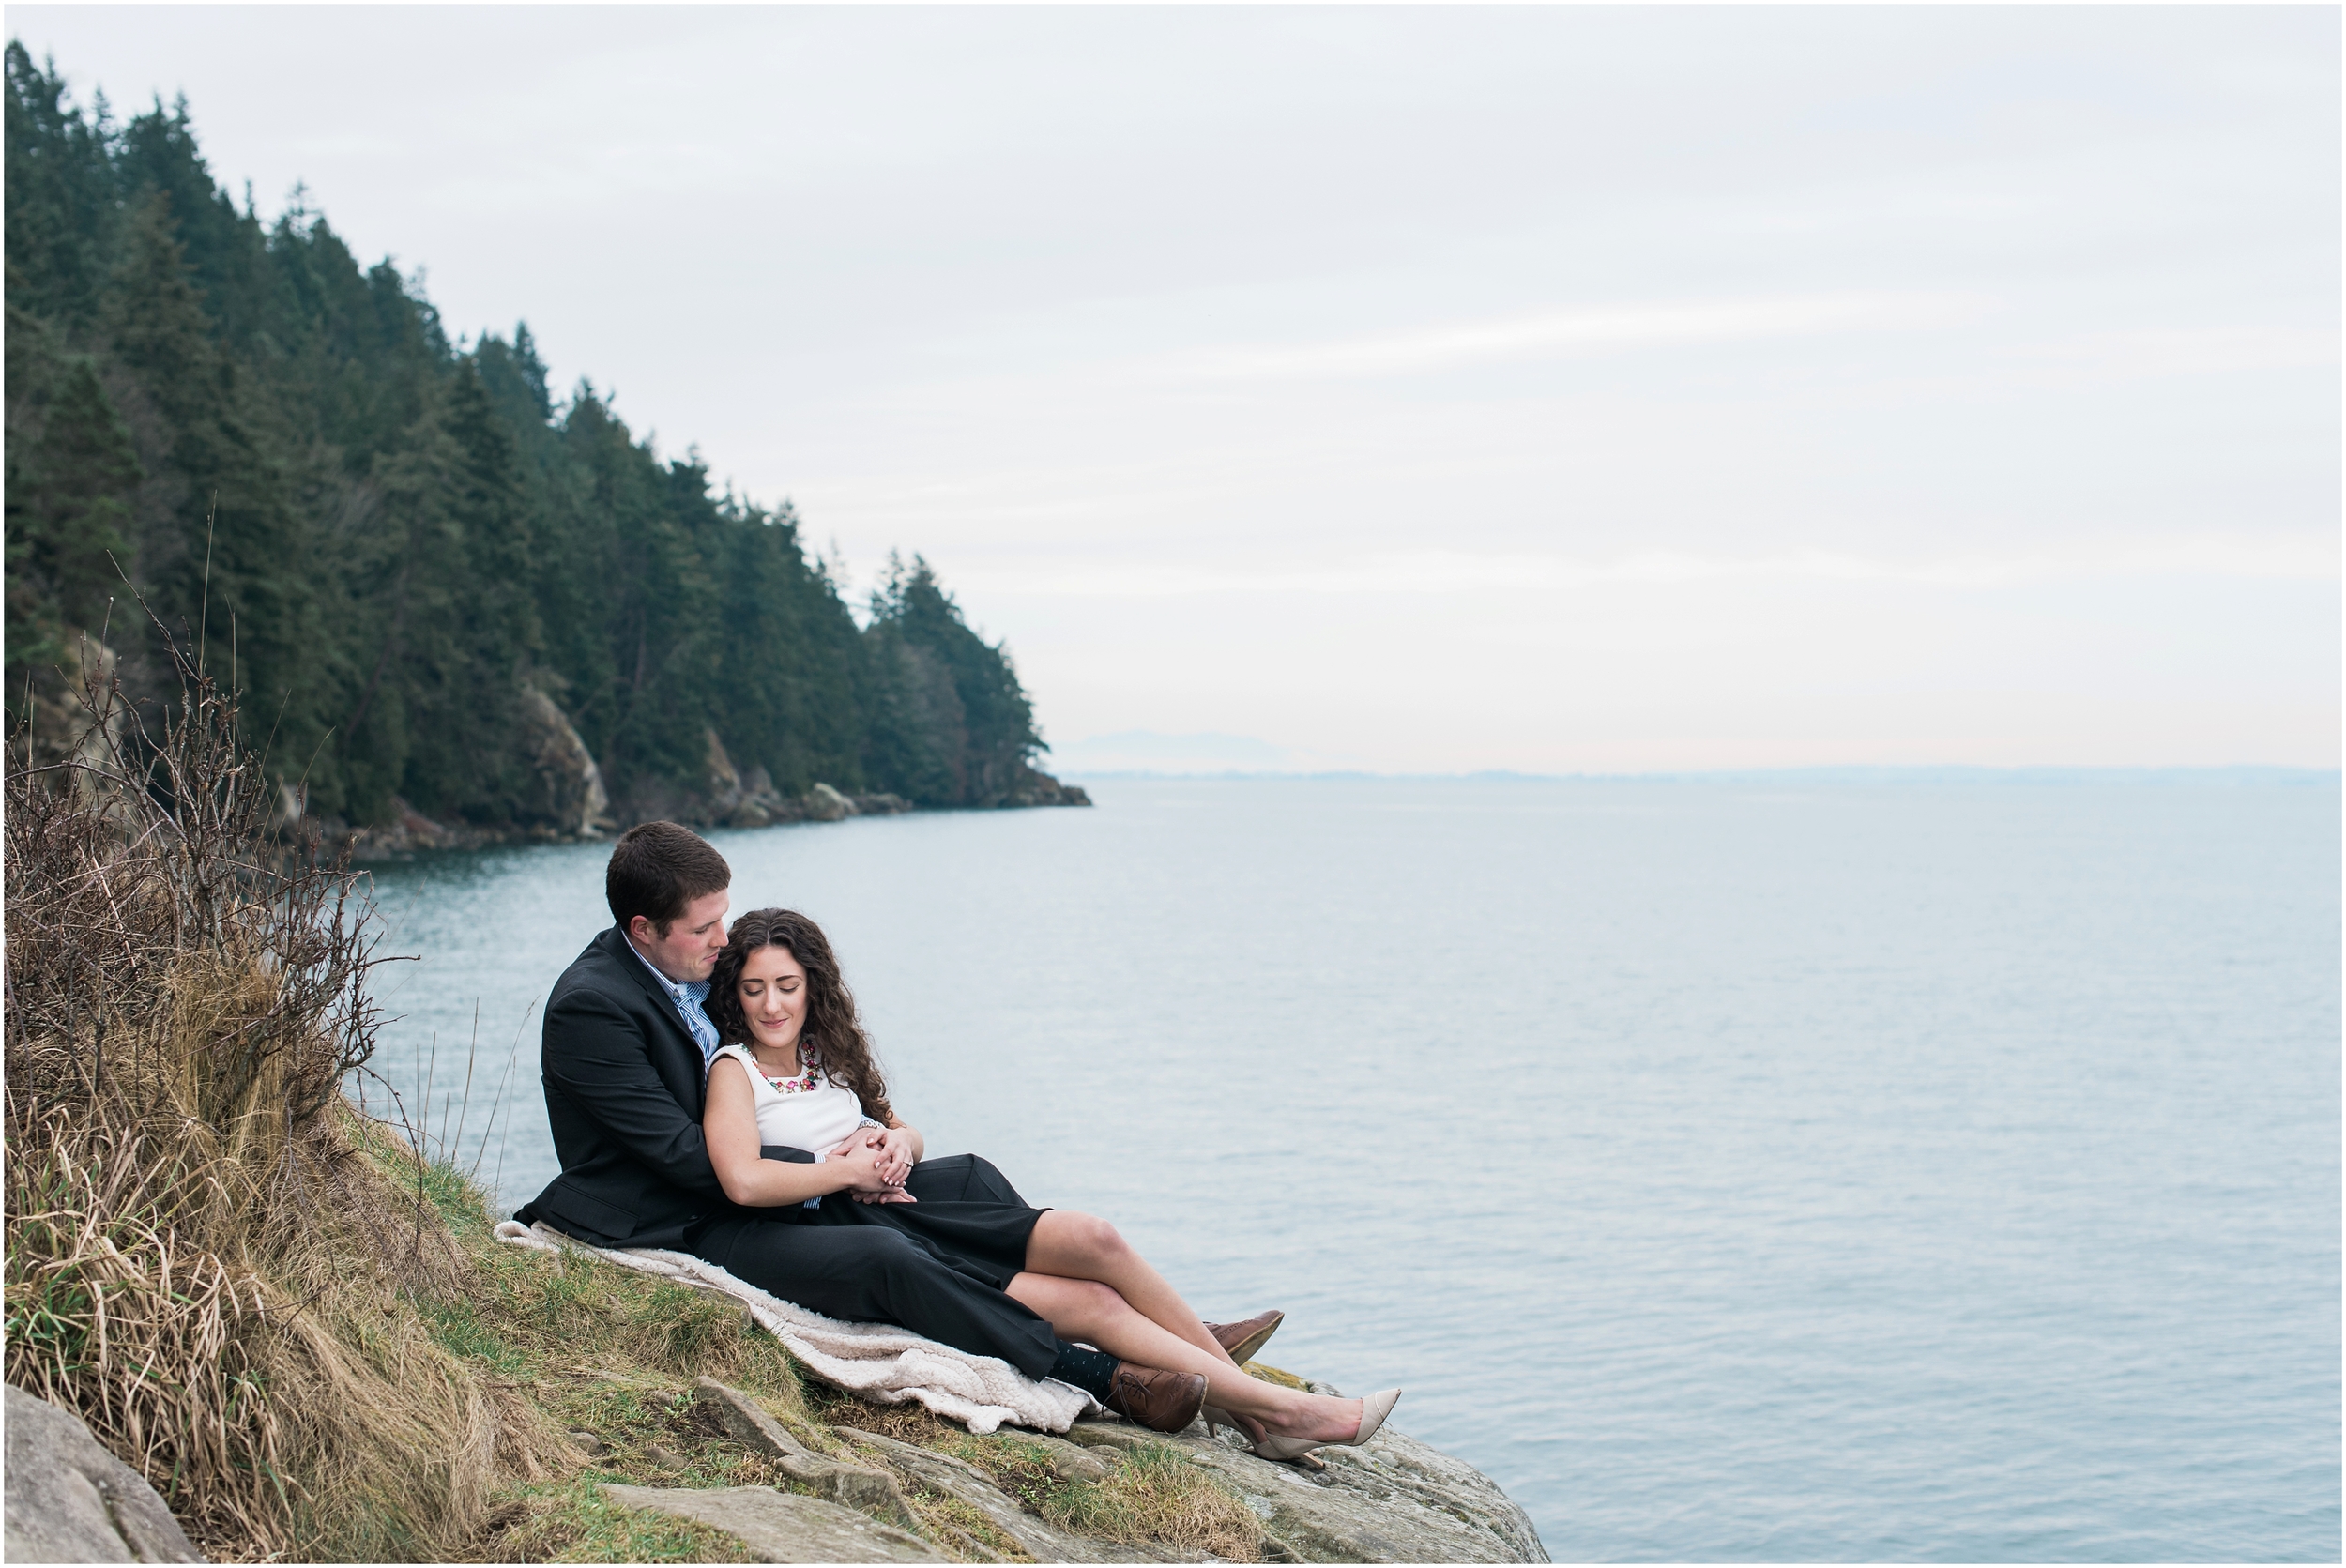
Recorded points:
(1244,1338)
(1159,1400)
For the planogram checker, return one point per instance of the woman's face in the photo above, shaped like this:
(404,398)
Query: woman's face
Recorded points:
(772,991)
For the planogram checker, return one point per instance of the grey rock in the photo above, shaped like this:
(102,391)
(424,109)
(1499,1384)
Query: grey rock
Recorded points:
(739,800)
(69,1500)
(826,804)
(566,793)
(586,1443)
(781,1527)
(746,1420)
(1032,787)
(1122,1436)
(1393,1499)
(77,716)
(741,1418)
(1071,1462)
(1044,1542)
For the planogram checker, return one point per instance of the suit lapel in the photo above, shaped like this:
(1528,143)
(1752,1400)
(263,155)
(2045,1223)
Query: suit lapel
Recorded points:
(679,1038)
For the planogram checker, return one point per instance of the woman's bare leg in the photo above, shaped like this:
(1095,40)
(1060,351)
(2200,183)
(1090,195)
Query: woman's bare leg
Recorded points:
(1096,1314)
(1084,1246)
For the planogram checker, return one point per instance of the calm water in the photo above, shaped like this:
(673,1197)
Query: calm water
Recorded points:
(1731,1170)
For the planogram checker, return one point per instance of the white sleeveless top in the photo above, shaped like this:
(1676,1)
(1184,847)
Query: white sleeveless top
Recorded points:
(807,1112)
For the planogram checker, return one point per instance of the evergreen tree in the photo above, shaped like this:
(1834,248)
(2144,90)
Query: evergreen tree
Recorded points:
(71,474)
(397,546)
(61,197)
(217,545)
(951,725)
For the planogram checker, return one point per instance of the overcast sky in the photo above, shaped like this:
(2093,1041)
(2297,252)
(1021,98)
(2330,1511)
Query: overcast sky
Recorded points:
(1426,389)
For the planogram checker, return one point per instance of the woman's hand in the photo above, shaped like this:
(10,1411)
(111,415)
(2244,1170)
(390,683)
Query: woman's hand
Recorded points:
(899,1151)
(862,1153)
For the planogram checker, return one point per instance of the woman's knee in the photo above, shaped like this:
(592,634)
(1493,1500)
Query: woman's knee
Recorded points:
(1095,1239)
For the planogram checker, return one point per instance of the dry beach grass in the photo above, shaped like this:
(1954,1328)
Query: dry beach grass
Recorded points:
(208,1254)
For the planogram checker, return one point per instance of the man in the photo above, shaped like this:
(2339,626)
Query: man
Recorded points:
(626,1046)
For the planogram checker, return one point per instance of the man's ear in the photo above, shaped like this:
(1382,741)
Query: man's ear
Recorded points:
(639,927)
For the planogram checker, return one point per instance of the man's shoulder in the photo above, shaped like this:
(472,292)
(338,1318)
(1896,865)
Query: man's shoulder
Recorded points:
(599,971)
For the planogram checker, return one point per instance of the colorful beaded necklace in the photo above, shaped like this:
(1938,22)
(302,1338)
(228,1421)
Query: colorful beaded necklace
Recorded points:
(804,1083)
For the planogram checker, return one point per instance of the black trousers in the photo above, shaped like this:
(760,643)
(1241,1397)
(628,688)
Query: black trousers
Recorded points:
(937,1266)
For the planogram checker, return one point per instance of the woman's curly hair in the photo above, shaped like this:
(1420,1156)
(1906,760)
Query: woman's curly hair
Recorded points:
(833,1035)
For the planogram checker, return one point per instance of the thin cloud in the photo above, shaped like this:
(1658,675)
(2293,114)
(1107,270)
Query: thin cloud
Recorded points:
(1554,333)
(2292,557)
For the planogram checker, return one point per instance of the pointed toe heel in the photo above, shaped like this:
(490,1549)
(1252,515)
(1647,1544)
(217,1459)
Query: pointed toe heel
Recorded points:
(1298,1451)
(1374,1409)
(1217,1418)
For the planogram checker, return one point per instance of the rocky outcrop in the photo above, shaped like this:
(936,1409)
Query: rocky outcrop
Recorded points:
(741,1418)
(944,1475)
(76,718)
(826,804)
(563,803)
(1394,1500)
(782,1527)
(1034,787)
(567,801)
(69,1500)
(567,797)
(734,799)
(731,797)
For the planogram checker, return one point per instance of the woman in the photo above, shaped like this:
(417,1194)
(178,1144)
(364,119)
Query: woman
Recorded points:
(863,1226)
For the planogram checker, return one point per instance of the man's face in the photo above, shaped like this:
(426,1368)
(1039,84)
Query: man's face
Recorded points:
(695,940)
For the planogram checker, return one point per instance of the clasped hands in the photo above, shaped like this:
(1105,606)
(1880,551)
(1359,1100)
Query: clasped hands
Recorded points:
(882,1157)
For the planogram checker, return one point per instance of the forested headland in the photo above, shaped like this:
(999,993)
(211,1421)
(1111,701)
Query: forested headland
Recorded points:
(447,597)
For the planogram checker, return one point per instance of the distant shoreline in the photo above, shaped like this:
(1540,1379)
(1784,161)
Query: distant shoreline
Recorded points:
(2236,774)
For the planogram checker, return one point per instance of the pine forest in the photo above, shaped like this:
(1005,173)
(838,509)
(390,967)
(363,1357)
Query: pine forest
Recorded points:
(446,595)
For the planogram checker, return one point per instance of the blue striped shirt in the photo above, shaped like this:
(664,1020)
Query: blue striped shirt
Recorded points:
(688,998)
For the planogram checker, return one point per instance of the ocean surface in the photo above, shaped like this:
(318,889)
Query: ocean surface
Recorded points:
(1896,1169)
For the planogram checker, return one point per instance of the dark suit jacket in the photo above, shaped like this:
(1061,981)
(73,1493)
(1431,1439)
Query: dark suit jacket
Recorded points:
(624,1088)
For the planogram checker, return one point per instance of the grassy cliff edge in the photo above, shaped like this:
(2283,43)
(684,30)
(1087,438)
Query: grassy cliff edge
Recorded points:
(295,1325)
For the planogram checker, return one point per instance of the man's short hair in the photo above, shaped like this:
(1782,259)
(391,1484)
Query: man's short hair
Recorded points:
(656,869)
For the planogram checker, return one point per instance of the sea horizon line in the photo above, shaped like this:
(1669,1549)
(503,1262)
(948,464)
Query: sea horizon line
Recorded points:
(2237,773)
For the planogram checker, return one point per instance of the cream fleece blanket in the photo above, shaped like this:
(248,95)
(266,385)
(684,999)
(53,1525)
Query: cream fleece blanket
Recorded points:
(883,1364)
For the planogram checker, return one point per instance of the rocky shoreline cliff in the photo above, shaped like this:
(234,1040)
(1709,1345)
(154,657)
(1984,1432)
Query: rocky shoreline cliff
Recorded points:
(563,800)
(848,1493)
(567,801)
(1394,1500)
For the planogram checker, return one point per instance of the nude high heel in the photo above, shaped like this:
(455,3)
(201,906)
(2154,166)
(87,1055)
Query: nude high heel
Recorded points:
(1217,1418)
(1374,1409)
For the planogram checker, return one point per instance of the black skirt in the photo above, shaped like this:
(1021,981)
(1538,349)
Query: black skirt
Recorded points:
(967,1216)
(938,1266)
